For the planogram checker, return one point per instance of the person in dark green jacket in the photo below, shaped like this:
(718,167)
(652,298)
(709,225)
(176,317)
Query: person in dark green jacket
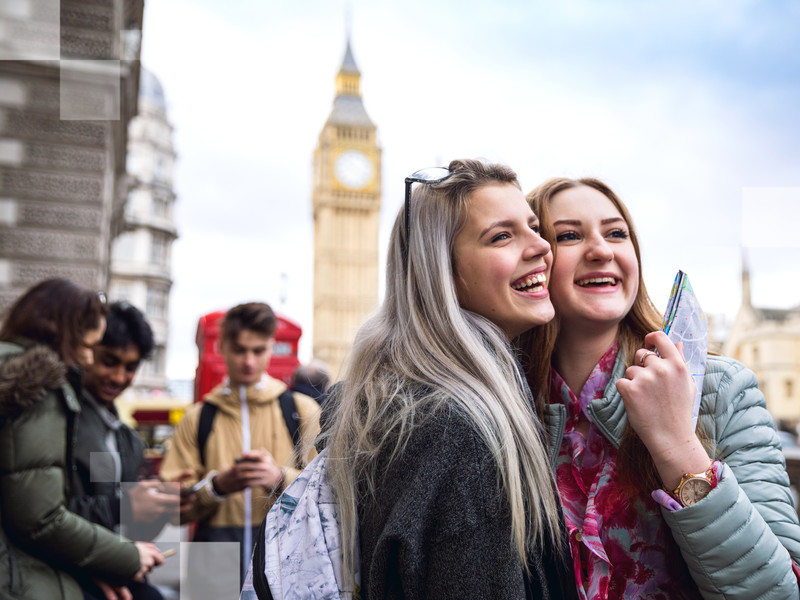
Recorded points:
(656,506)
(44,548)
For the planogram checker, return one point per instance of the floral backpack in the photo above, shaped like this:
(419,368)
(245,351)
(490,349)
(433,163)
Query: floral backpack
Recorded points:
(297,553)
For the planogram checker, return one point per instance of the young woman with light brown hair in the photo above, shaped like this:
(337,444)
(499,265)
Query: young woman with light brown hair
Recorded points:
(654,509)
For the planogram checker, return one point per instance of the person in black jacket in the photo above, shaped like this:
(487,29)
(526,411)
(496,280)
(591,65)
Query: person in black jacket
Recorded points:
(435,452)
(109,454)
(312,380)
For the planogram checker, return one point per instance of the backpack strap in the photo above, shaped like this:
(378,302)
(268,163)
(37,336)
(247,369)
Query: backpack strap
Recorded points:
(301,538)
(290,415)
(207,414)
(209,411)
(260,584)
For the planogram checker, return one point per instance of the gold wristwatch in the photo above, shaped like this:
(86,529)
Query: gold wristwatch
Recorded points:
(694,487)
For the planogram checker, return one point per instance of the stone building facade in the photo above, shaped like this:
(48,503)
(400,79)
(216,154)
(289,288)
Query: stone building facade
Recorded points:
(69,77)
(767,340)
(141,254)
(346,201)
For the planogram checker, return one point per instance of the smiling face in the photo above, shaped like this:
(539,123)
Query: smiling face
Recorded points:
(501,262)
(595,274)
(112,372)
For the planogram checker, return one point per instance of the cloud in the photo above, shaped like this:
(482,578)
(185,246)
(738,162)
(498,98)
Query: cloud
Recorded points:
(679,107)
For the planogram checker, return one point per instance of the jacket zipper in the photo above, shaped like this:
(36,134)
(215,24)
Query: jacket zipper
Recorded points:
(248,506)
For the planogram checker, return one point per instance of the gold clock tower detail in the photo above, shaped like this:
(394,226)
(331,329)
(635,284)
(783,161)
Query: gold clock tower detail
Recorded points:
(346,199)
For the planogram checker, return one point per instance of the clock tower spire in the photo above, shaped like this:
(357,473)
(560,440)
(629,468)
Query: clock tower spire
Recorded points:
(346,199)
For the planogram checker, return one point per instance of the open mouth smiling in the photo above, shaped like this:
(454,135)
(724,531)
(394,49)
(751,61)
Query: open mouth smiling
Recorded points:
(598,281)
(530,283)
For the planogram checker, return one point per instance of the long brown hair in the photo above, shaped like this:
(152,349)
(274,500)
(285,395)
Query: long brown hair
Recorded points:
(56,313)
(635,466)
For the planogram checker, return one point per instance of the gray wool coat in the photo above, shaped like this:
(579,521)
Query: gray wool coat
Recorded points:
(438,526)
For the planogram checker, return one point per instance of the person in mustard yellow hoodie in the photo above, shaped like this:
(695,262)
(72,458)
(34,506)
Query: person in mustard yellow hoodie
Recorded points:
(245,458)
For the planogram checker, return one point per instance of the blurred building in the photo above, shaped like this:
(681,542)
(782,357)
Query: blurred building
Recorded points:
(141,254)
(346,199)
(69,78)
(767,340)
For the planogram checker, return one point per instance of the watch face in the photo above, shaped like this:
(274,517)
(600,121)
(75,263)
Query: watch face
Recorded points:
(353,169)
(693,490)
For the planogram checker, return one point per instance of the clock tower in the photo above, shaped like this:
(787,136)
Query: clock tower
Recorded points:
(346,198)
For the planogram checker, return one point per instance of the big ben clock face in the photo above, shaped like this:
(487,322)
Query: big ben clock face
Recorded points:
(353,169)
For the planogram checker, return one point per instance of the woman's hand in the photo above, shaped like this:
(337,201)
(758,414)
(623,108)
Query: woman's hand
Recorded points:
(658,393)
(111,592)
(149,558)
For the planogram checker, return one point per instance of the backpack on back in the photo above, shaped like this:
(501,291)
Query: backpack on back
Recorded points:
(208,411)
(298,551)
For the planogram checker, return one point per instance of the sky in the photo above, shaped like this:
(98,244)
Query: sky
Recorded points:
(689,110)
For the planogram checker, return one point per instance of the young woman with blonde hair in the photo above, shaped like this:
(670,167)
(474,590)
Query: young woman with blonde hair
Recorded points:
(654,509)
(435,452)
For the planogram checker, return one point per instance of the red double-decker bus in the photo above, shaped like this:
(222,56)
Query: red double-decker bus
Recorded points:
(211,364)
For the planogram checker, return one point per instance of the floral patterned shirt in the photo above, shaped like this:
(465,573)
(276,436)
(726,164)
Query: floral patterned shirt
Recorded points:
(621,547)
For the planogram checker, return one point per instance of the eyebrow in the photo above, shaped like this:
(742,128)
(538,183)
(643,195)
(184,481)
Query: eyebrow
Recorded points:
(505,223)
(578,222)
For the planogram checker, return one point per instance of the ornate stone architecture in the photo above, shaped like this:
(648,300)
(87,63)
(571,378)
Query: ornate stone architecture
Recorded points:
(69,77)
(141,254)
(346,199)
(768,341)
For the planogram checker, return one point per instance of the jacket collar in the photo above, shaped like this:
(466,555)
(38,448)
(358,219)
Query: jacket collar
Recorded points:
(27,374)
(263,392)
(608,414)
(108,415)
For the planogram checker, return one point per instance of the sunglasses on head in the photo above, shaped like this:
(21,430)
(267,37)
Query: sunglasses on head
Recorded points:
(430,176)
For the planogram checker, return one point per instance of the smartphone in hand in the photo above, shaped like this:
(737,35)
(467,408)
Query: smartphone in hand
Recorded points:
(188,491)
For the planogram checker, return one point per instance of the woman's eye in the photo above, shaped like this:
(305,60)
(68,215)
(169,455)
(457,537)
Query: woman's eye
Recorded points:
(619,234)
(567,236)
(500,237)
(536,229)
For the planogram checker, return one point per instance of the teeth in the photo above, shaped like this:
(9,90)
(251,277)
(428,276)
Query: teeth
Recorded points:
(534,281)
(610,280)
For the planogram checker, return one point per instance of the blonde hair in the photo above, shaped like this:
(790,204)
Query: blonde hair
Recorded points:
(422,352)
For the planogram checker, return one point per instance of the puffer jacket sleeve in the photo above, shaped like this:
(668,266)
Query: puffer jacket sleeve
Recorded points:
(740,540)
(34,510)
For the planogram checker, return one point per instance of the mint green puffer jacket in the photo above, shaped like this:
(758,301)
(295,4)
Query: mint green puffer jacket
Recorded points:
(739,541)
(41,542)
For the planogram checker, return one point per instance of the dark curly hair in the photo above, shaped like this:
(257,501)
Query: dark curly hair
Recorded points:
(125,326)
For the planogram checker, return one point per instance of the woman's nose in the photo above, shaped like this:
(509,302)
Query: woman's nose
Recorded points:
(537,246)
(599,249)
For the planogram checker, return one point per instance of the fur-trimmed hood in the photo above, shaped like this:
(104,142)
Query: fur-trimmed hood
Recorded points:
(26,375)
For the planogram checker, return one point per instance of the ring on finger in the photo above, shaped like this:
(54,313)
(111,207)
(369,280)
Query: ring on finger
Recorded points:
(645,355)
